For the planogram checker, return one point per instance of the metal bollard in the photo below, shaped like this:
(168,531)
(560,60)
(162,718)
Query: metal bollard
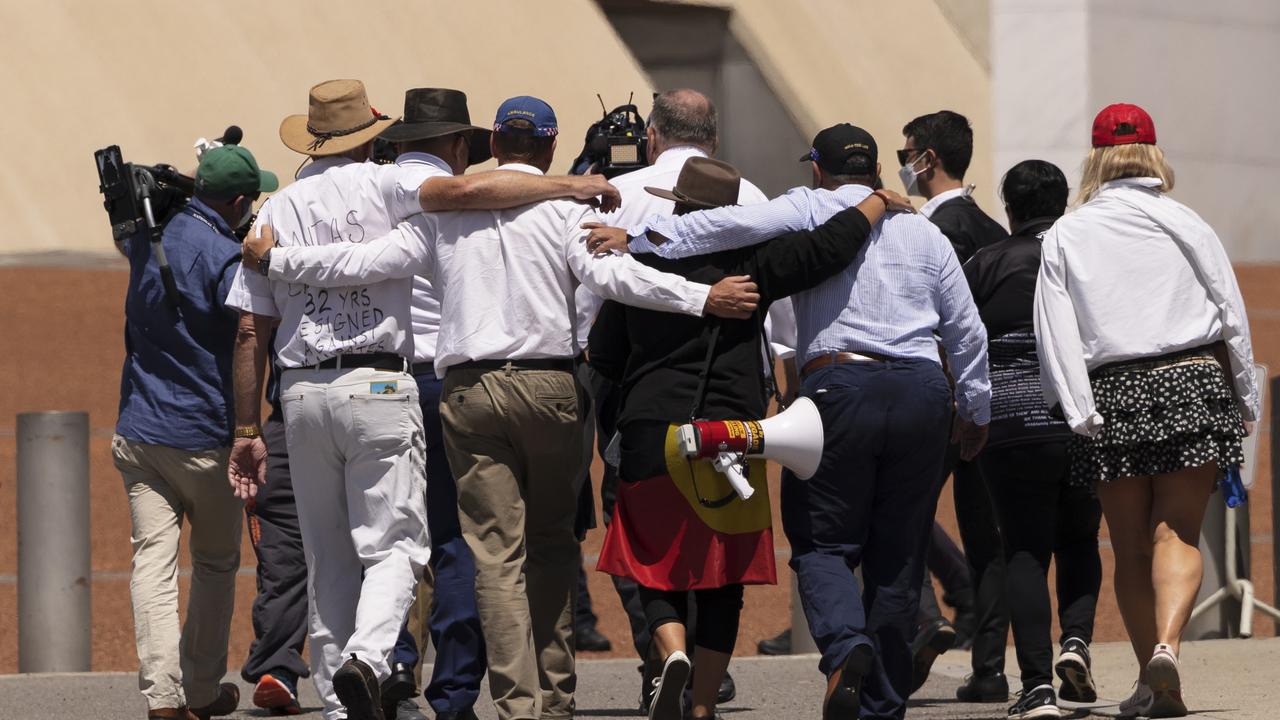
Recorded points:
(54,624)
(801,639)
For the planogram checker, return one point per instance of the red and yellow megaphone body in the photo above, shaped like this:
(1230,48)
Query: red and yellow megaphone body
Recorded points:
(792,438)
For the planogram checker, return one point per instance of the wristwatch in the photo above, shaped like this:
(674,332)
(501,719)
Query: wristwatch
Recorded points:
(264,262)
(248,431)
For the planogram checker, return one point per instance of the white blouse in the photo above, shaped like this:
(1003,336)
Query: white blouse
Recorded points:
(1131,274)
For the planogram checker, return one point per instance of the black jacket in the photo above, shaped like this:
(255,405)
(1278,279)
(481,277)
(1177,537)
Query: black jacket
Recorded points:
(1002,277)
(967,227)
(658,358)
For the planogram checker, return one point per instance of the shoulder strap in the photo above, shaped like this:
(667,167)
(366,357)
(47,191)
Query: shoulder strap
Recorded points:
(705,375)
(771,380)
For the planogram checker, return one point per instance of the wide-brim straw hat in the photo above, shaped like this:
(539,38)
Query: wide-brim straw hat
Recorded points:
(339,118)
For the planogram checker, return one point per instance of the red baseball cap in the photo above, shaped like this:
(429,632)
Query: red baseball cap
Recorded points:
(1123,124)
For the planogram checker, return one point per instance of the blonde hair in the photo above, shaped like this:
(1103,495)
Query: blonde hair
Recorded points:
(1113,162)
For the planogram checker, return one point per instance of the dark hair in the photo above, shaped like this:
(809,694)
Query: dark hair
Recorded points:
(948,135)
(1033,189)
(685,116)
(521,146)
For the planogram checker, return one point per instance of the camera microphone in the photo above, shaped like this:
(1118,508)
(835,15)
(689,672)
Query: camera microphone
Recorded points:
(232,136)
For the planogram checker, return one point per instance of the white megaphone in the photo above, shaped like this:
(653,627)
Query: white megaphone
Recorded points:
(792,438)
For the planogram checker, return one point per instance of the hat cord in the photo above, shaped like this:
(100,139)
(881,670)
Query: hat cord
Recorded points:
(322,137)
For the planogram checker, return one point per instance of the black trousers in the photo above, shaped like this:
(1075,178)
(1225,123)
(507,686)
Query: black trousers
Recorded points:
(280,608)
(1041,517)
(717,612)
(984,550)
(947,561)
(607,399)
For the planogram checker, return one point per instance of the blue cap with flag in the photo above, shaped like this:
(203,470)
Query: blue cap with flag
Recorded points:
(530,109)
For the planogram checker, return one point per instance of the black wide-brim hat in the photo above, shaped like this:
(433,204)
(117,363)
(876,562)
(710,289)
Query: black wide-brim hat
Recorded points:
(436,112)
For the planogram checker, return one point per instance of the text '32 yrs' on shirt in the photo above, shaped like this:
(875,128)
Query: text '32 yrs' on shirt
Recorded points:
(319,323)
(506,277)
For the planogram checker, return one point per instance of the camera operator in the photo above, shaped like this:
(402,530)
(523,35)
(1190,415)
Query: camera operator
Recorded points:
(173,437)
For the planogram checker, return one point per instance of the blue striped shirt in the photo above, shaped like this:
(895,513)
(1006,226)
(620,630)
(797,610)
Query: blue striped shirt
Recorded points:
(903,292)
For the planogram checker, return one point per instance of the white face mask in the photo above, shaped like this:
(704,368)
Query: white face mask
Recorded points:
(911,177)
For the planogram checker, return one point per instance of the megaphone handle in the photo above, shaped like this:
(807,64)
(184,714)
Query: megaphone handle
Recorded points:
(731,465)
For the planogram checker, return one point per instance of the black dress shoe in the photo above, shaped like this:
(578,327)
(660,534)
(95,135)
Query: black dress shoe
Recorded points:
(777,645)
(591,640)
(358,690)
(984,689)
(226,703)
(467,714)
(728,689)
(931,641)
(846,702)
(400,686)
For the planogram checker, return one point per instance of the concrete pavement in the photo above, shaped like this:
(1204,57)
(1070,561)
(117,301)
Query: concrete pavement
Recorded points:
(1223,679)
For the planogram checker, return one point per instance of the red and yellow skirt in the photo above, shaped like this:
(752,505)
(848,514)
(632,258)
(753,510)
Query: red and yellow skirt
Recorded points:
(663,537)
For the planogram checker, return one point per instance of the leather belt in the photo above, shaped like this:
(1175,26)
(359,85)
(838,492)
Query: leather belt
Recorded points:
(840,358)
(565,364)
(426,367)
(378,361)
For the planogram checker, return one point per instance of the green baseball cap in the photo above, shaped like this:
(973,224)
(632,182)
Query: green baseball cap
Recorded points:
(230,170)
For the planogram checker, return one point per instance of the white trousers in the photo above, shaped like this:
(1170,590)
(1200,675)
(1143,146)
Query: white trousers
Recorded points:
(357,455)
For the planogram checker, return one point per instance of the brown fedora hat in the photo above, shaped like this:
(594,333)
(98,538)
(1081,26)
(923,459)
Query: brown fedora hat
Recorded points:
(338,119)
(434,112)
(704,183)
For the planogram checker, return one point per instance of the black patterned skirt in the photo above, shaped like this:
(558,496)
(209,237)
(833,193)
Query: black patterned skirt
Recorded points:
(1160,416)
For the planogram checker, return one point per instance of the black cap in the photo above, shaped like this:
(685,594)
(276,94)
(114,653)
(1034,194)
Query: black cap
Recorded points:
(834,147)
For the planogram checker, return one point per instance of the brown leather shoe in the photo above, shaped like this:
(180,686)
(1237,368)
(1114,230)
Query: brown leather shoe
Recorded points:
(358,690)
(170,714)
(226,703)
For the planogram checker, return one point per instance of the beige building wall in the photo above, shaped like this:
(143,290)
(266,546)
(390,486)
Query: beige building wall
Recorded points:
(1205,71)
(151,77)
(877,65)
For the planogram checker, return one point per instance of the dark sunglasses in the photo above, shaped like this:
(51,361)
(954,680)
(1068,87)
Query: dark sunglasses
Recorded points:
(904,154)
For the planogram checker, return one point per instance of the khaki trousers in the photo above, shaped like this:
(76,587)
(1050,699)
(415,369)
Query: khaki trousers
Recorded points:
(180,667)
(514,441)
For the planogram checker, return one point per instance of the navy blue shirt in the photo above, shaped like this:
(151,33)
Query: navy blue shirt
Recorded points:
(175,389)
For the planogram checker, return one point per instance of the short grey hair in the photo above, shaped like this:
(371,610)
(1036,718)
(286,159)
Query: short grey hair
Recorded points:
(685,116)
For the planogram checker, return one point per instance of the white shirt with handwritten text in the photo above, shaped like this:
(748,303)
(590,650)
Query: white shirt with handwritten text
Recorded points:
(334,200)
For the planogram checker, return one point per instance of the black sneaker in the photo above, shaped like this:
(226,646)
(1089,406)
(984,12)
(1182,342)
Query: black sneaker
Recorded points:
(648,675)
(1037,702)
(1074,666)
(984,689)
(357,689)
(777,645)
(931,641)
(668,688)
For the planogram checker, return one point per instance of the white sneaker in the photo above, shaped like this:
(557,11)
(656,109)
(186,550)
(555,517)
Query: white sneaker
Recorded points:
(668,688)
(1165,683)
(1137,704)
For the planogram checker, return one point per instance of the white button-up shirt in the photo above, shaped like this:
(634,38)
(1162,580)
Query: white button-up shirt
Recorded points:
(506,278)
(409,172)
(638,204)
(335,202)
(1132,274)
(934,202)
